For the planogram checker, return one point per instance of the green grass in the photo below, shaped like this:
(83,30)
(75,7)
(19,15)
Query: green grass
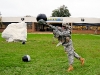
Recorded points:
(47,59)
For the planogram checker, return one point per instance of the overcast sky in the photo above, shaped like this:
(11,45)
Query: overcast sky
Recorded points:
(77,8)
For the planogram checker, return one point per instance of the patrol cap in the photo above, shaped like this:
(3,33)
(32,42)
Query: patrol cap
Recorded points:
(65,24)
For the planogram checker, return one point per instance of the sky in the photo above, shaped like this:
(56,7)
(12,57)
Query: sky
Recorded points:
(77,8)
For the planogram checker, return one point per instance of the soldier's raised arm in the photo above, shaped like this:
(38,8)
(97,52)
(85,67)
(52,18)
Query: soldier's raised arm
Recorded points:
(64,33)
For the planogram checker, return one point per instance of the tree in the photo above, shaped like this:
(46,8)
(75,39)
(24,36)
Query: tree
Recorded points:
(62,11)
(28,16)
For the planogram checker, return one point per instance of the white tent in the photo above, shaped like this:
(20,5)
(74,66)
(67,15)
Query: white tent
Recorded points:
(15,32)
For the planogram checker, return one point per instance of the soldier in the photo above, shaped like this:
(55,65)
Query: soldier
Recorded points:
(68,46)
(65,37)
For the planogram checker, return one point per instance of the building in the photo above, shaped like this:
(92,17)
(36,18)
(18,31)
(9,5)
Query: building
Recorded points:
(79,25)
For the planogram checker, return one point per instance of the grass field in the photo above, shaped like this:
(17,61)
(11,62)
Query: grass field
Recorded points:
(47,59)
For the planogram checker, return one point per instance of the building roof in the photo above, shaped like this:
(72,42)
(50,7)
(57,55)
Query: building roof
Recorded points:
(53,19)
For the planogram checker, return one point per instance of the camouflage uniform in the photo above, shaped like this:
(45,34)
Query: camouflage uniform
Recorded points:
(68,46)
(57,36)
(54,32)
(65,37)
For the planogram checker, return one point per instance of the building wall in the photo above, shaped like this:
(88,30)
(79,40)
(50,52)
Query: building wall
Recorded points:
(18,19)
(85,32)
(68,19)
(79,20)
(54,20)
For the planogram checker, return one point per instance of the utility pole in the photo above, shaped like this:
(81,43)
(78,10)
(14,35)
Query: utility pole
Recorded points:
(1,24)
(0,14)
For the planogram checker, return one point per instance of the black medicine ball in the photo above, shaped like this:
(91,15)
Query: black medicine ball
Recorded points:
(26,58)
(41,16)
(23,42)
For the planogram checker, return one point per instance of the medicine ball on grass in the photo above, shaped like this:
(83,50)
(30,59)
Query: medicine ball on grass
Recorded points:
(26,58)
(23,42)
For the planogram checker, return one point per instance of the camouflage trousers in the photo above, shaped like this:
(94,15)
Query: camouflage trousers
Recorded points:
(71,53)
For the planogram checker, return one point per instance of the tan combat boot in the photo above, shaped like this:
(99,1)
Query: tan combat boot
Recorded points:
(70,68)
(82,61)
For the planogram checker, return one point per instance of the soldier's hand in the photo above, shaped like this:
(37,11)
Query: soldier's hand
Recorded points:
(42,22)
(67,39)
